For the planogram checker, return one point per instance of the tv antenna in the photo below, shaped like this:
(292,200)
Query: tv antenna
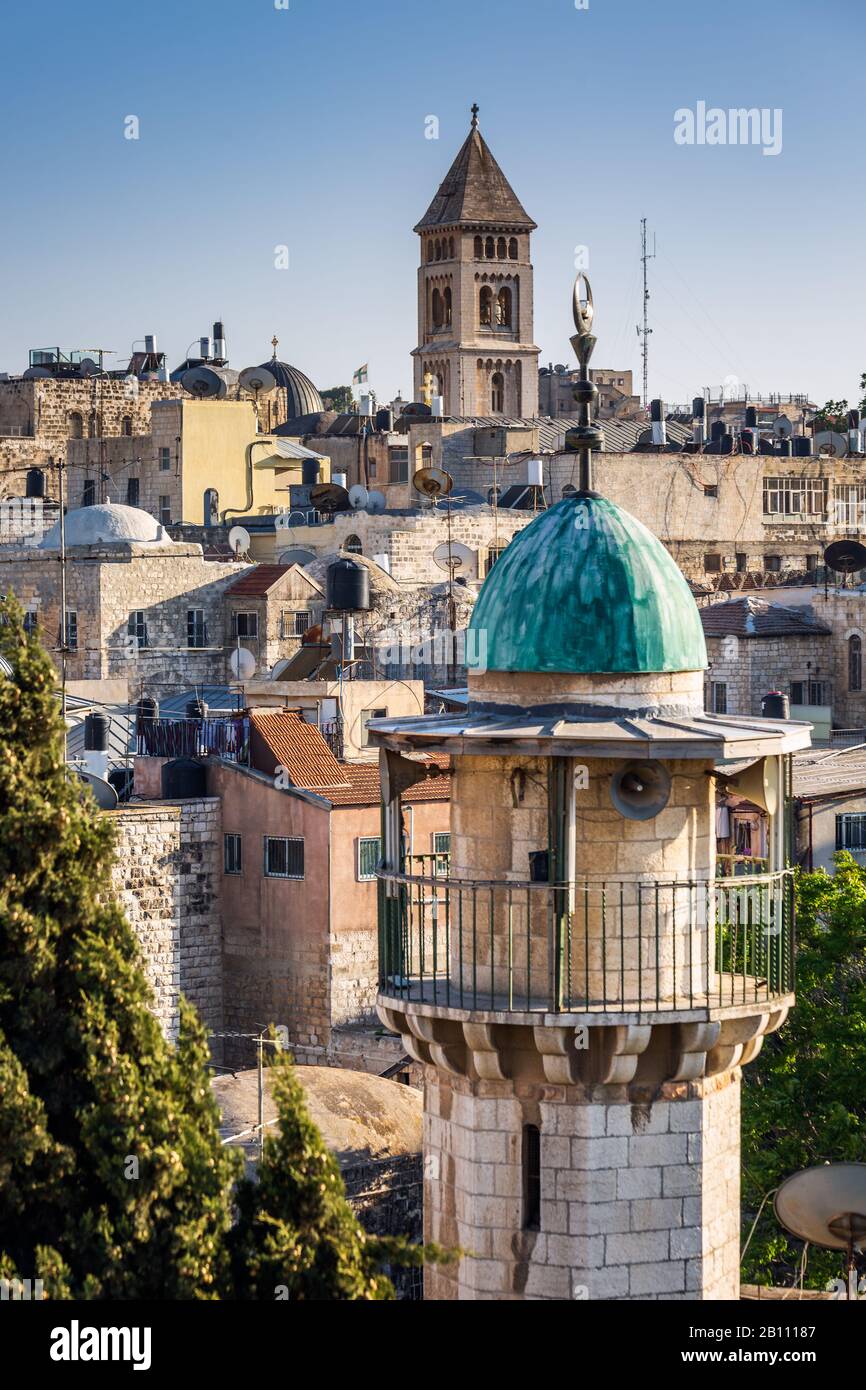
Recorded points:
(644,332)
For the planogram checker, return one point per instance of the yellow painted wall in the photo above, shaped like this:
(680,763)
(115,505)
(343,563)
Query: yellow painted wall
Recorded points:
(214,440)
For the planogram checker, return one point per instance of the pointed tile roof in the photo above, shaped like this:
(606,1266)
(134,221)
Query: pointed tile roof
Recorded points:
(475,192)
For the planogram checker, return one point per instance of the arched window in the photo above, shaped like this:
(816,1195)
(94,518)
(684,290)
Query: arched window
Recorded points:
(353,545)
(503,307)
(76,424)
(501,249)
(95,425)
(490,248)
(447,303)
(493,495)
(439,250)
(569,490)
(479,248)
(451,247)
(126,426)
(429,250)
(437,309)
(485,306)
(512,249)
(497,393)
(855,663)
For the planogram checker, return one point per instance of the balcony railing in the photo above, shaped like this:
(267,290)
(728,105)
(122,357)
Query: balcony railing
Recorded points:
(195,738)
(622,946)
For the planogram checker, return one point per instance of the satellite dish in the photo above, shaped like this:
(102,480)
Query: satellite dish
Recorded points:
(640,790)
(104,792)
(258,380)
(456,558)
(376,503)
(845,557)
(827,1206)
(204,383)
(239,540)
(782,427)
(832,443)
(242,663)
(358,497)
(87,367)
(296,557)
(35,373)
(330,497)
(432,482)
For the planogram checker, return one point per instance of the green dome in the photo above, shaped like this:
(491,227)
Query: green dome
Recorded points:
(587,588)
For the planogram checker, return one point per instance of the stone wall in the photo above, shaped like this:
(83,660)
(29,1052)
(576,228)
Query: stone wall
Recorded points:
(638,1202)
(750,666)
(167,876)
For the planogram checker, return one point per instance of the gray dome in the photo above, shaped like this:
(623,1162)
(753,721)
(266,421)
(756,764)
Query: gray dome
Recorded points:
(107,524)
(302,398)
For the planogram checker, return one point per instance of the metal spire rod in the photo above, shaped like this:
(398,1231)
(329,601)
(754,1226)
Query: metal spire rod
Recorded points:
(643,333)
(585,436)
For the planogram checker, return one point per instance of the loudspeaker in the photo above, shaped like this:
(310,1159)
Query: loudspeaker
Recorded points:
(758,784)
(640,790)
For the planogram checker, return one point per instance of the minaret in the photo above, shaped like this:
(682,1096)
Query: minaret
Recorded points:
(580,985)
(475,329)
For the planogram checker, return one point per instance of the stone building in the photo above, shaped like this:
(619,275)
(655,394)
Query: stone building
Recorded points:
(475,310)
(139,606)
(616,398)
(268,611)
(582,1054)
(754,646)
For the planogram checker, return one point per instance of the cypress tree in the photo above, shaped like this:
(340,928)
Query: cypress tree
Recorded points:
(113,1181)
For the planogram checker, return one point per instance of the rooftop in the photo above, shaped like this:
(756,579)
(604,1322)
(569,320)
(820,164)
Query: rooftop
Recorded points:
(475,192)
(755,617)
(819,773)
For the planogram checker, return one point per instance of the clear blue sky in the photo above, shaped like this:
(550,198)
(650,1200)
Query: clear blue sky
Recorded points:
(305,127)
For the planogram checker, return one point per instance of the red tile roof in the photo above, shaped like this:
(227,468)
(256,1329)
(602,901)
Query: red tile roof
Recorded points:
(310,764)
(255,583)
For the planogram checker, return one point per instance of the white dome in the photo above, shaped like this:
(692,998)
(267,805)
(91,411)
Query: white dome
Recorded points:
(107,524)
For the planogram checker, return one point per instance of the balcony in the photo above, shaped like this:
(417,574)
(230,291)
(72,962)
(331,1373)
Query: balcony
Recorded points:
(598,947)
(195,738)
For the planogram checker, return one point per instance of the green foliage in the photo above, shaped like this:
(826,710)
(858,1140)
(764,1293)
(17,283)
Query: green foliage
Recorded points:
(804,1098)
(338,398)
(832,416)
(113,1181)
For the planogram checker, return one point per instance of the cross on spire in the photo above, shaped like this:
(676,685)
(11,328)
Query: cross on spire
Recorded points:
(475,109)
(275,342)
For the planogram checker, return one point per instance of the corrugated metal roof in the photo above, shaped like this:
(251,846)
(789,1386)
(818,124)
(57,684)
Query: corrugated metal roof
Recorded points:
(818,773)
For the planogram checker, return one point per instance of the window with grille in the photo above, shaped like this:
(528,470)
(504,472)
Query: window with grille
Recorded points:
(849,505)
(137,627)
(133,492)
(31,621)
(233,851)
(245,625)
(851,831)
(795,496)
(284,857)
(712,564)
(855,662)
(72,632)
(398,463)
(88,493)
(719,697)
(302,621)
(165,510)
(369,854)
(164,460)
(196,628)
(810,692)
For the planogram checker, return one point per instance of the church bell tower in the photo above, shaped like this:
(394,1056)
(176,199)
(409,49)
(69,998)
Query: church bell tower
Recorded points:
(475,333)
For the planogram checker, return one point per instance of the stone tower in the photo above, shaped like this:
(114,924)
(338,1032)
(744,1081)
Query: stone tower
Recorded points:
(475,329)
(580,984)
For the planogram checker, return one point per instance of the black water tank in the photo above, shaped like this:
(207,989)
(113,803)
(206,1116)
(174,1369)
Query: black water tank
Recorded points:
(699,408)
(196,709)
(657,410)
(96,733)
(751,417)
(309,471)
(784,449)
(146,709)
(802,446)
(183,779)
(385,419)
(717,429)
(726,444)
(775,705)
(748,441)
(35,484)
(348,586)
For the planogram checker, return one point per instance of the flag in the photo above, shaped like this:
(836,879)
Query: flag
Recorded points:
(360,375)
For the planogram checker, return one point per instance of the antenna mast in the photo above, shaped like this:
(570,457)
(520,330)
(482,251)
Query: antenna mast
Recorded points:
(643,333)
